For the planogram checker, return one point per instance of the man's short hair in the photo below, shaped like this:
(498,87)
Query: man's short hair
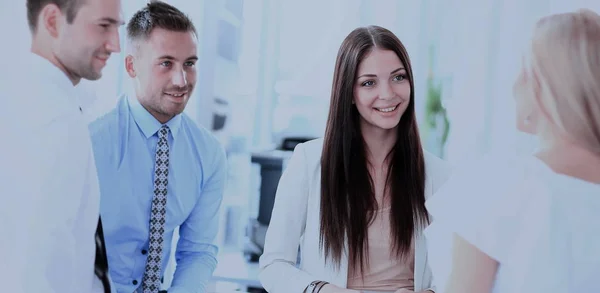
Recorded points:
(158,14)
(34,7)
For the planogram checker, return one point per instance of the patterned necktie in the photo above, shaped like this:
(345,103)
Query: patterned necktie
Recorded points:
(101,262)
(152,274)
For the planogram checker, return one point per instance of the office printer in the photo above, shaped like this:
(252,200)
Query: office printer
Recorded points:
(272,163)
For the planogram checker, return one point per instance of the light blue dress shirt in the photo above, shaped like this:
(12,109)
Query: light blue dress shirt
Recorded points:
(124,143)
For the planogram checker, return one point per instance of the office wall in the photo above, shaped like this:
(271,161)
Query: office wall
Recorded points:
(480,53)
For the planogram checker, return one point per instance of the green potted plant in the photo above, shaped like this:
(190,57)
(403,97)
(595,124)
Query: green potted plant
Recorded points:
(436,119)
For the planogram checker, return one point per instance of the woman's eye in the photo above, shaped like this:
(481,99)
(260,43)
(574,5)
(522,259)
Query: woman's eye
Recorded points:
(368,83)
(400,77)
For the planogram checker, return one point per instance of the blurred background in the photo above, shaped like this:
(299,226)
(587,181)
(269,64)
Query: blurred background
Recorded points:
(265,73)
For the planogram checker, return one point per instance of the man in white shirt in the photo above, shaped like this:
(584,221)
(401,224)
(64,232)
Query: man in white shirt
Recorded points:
(50,210)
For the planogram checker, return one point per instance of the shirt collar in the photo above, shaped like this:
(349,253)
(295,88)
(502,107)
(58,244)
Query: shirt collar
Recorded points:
(147,123)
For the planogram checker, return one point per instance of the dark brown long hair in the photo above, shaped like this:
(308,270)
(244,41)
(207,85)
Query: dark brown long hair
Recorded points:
(348,199)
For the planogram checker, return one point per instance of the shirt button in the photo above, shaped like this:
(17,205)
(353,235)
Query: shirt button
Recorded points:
(144,251)
(134,282)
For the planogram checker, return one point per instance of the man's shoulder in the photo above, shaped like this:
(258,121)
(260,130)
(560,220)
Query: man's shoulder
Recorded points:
(107,122)
(50,99)
(205,145)
(103,123)
(199,134)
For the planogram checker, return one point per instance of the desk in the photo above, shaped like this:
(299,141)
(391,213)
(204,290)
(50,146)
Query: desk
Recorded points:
(232,267)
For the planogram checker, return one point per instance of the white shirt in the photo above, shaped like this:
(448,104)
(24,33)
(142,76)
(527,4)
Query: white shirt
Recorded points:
(541,227)
(50,206)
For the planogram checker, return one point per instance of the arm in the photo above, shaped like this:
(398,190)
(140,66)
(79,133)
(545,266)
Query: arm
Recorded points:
(278,272)
(474,226)
(17,219)
(438,173)
(196,253)
(423,264)
(34,212)
(431,287)
(472,270)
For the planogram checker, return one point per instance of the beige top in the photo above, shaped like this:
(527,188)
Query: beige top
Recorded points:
(385,271)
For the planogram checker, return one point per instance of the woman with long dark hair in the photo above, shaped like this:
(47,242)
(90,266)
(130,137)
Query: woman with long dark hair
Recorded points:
(355,200)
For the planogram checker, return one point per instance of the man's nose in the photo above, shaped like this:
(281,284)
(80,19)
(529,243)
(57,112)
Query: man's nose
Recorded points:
(179,78)
(114,43)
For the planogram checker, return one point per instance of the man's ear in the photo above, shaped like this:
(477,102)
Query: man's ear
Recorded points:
(129,66)
(50,19)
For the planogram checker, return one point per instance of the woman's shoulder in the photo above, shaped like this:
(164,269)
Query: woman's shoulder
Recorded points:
(307,156)
(487,171)
(311,148)
(310,151)
(489,187)
(486,201)
(480,184)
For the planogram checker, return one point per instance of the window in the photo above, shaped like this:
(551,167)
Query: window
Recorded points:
(236,7)
(228,41)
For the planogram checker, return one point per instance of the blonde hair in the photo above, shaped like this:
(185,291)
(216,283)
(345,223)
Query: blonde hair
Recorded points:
(565,59)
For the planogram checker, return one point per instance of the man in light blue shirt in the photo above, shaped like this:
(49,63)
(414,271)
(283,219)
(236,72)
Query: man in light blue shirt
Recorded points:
(157,169)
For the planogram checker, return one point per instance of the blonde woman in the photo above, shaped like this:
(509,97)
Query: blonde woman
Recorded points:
(532,224)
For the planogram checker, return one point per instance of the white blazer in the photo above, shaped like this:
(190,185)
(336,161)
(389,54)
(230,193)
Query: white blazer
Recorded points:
(296,221)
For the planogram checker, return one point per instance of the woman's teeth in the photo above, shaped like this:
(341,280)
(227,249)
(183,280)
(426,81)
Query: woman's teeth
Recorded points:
(390,109)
